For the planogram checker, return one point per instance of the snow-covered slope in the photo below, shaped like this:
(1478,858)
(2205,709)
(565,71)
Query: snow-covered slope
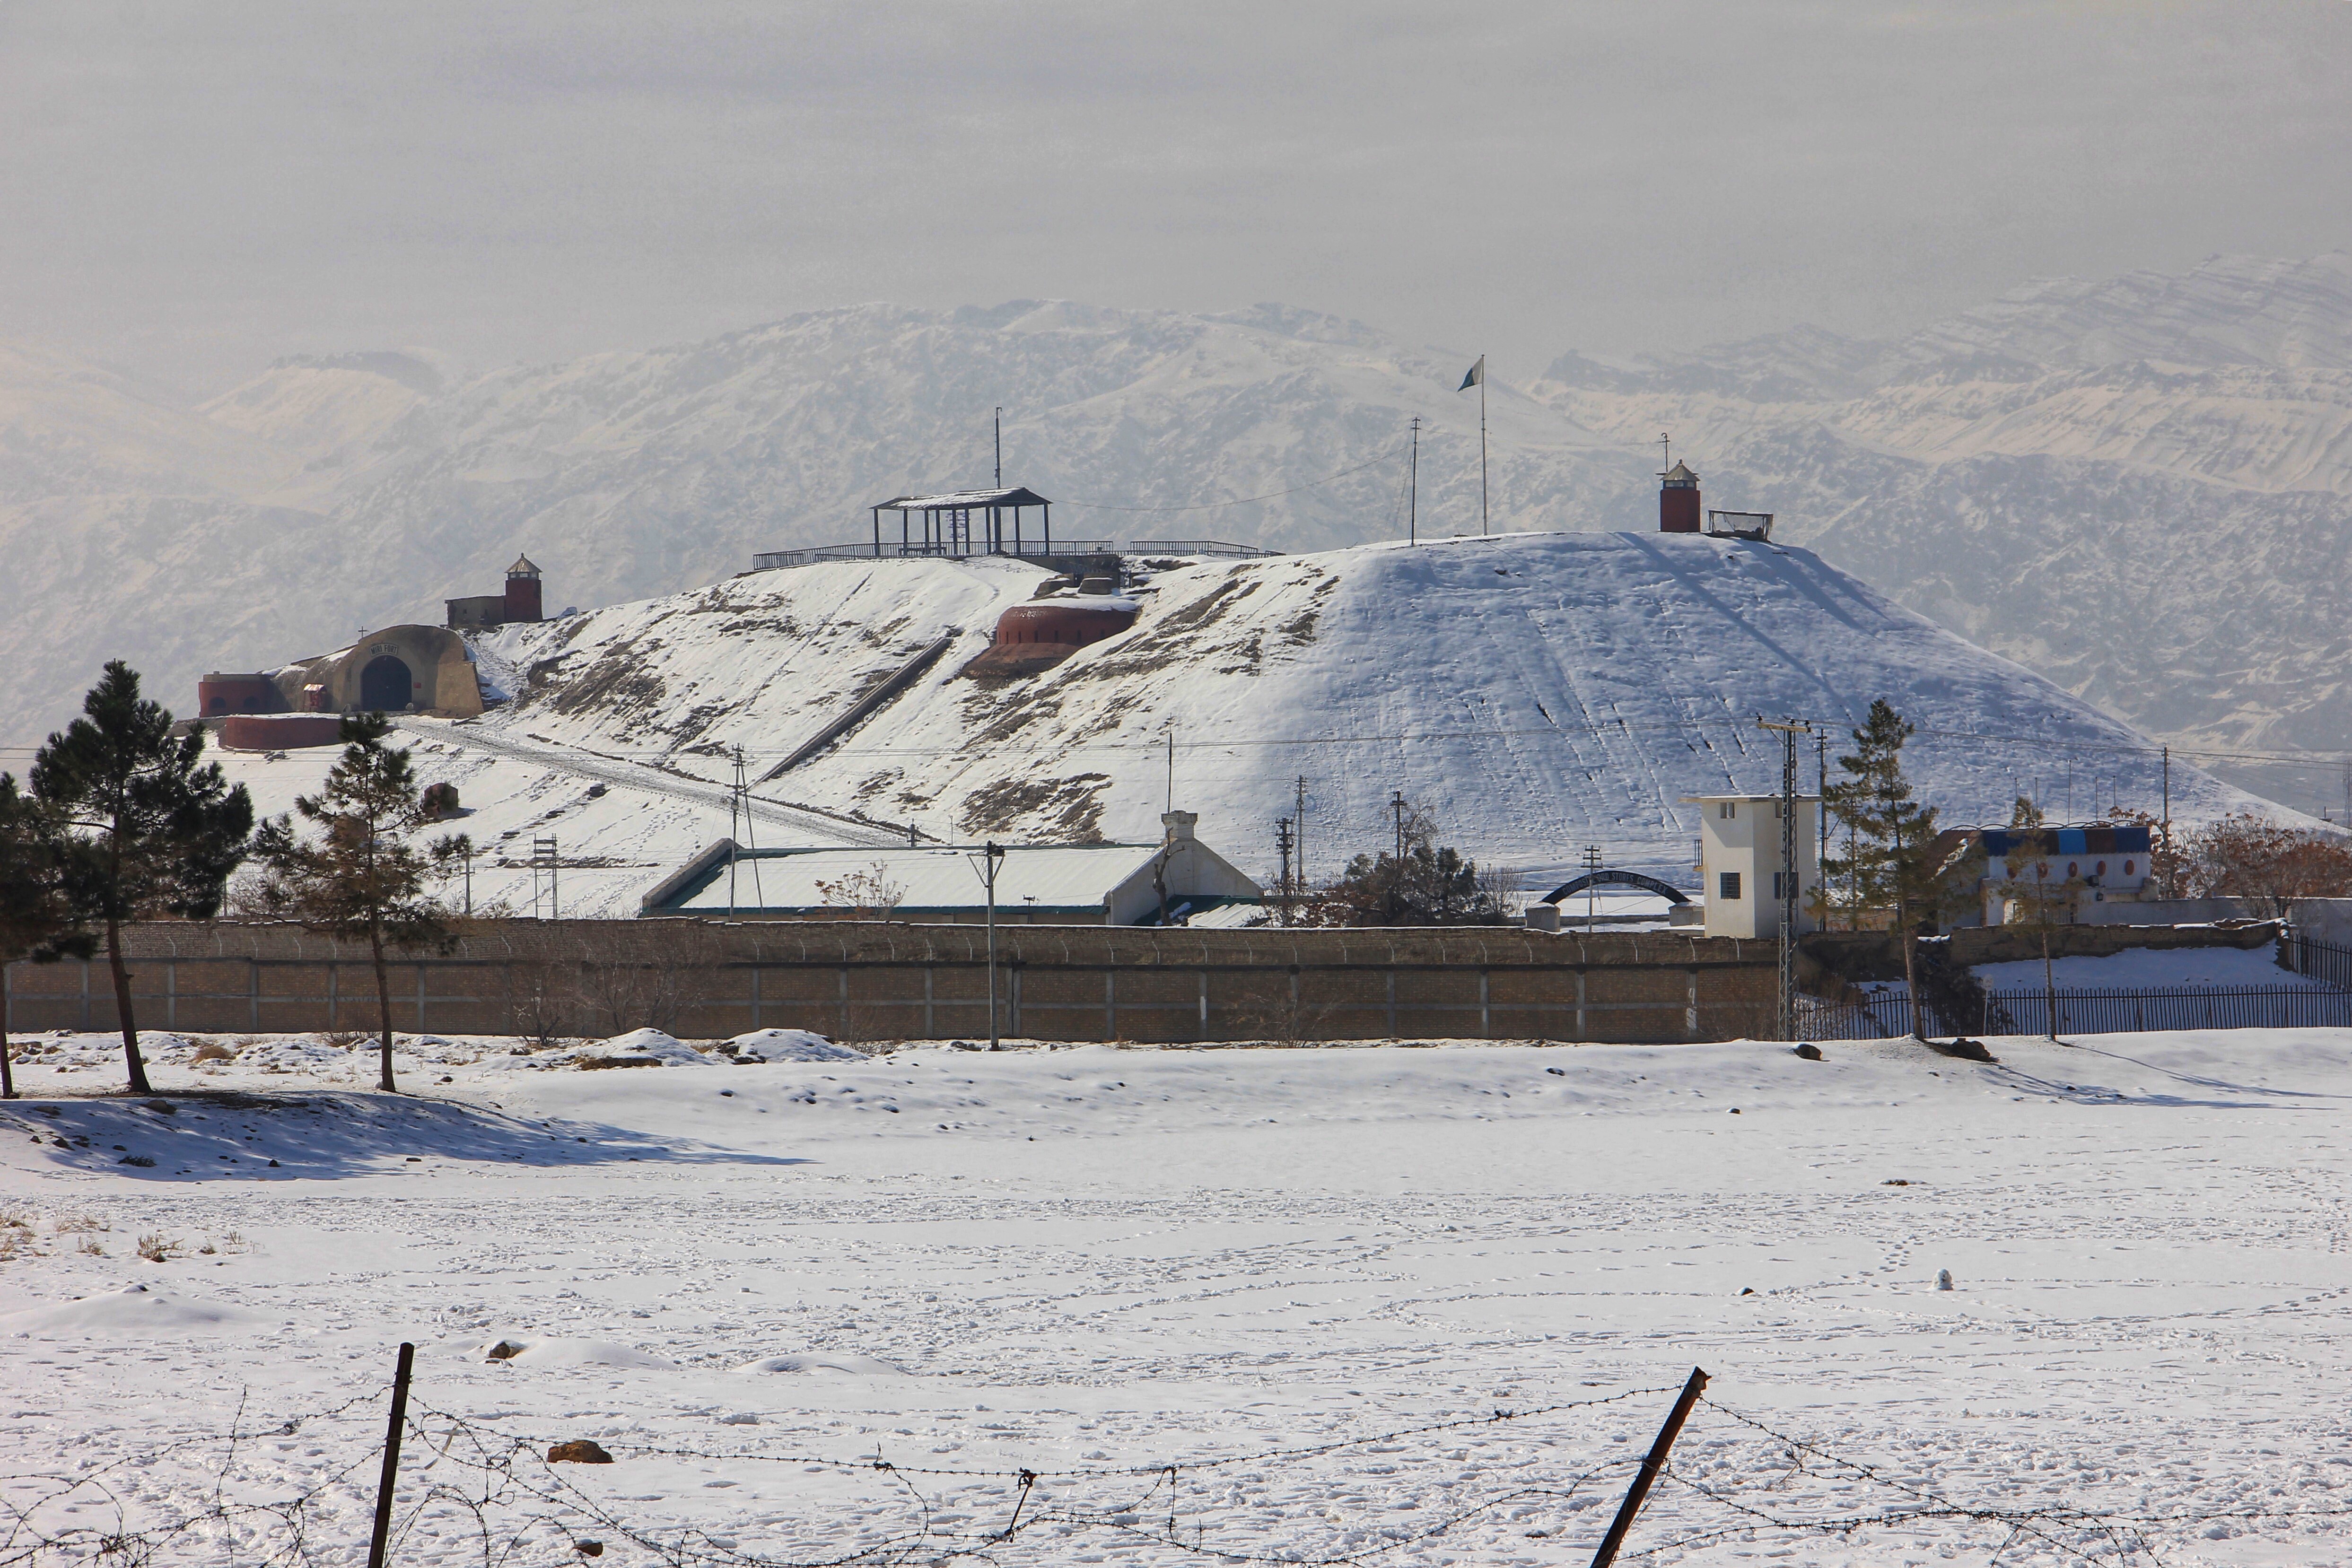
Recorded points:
(1535,692)
(2123,483)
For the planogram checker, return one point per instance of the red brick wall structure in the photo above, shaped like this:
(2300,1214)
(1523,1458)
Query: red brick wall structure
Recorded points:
(219,692)
(1679,501)
(278,731)
(1073,622)
(866,981)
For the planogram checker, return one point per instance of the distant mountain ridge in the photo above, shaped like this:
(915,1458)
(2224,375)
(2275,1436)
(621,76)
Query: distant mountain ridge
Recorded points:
(2136,484)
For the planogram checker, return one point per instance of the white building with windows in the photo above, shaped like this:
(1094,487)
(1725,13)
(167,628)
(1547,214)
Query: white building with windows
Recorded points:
(1742,875)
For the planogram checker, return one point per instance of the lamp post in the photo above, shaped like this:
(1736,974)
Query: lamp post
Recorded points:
(991,854)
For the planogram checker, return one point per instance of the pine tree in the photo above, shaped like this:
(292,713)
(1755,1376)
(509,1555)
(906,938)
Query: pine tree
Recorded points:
(36,917)
(148,827)
(1891,863)
(1419,883)
(358,876)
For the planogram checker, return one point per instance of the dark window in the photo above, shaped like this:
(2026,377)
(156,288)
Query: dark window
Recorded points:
(1779,884)
(1727,885)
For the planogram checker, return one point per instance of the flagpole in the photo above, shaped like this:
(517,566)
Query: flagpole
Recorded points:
(1482,446)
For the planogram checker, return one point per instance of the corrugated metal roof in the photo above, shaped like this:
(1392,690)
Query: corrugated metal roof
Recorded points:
(1045,876)
(957,500)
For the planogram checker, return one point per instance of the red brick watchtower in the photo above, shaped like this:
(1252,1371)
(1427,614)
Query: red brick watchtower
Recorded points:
(1678,509)
(522,590)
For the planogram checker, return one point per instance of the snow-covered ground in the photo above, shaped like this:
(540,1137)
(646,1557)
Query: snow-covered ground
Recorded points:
(751,1283)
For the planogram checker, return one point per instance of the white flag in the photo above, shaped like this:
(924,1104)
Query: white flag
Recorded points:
(1477,377)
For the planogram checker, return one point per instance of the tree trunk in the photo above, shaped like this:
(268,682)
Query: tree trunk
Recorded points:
(7,1070)
(122,1008)
(383,1013)
(2049,983)
(1911,970)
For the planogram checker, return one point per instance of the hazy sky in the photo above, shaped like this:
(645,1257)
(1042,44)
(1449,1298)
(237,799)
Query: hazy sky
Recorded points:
(192,189)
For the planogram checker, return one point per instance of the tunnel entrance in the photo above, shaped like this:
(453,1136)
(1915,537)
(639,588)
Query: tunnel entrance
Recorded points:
(386,686)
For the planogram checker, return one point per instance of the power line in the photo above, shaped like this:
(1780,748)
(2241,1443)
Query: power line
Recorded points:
(1245,500)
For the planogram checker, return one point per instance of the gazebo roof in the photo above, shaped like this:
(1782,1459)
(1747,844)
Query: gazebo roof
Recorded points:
(965,500)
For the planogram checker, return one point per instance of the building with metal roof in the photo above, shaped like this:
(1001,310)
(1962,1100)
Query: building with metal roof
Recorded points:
(1038,884)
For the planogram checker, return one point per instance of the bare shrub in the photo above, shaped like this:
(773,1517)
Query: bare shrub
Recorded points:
(541,1005)
(212,1050)
(80,1225)
(623,996)
(89,1245)
(345,1038)
(2251,857)
(154,1248)
(866,894)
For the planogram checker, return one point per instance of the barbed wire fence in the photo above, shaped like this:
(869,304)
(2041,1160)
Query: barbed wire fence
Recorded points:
(471,1492)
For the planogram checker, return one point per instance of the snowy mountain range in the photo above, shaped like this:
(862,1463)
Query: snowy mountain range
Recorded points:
(2137,487)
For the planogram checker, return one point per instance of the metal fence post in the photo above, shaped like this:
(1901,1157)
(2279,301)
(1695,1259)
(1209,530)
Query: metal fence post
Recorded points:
(382,1534)
(1651,1463)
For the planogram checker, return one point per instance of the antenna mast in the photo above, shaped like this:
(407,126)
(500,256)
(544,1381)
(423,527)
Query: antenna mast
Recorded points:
(1413,487)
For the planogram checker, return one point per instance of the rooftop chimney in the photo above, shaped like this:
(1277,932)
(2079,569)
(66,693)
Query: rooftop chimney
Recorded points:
(1180,824)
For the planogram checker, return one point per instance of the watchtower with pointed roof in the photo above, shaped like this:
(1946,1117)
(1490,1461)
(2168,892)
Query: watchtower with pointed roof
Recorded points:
(486,611)
(1678,500)
(522,590)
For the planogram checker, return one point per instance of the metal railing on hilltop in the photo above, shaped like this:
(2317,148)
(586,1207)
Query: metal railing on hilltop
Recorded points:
(774,560)
(1194,547)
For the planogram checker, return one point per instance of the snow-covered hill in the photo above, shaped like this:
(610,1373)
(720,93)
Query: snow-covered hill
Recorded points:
(1535,692)
(2125,485)
(2132,485)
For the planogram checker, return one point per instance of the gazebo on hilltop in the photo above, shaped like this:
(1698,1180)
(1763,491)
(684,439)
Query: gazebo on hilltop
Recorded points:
(947,523)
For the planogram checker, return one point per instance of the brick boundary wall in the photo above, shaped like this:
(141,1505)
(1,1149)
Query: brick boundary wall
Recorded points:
(873,981)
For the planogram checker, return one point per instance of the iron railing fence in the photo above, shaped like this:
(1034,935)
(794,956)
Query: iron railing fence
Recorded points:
(2314,959)
(892,549)
(1194,547)
(2029,1012)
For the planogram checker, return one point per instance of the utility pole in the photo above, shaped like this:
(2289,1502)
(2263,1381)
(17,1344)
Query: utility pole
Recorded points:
(543,858)
(1482,446)
(469,879)
(2171,888)
(1591,886)
(1789,730)
(1821,779)
(1000,449)
(1299,831)
(1412,503)
(740,832)
(992,856)
(1396,867)
(1172,770)
(1282,846)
